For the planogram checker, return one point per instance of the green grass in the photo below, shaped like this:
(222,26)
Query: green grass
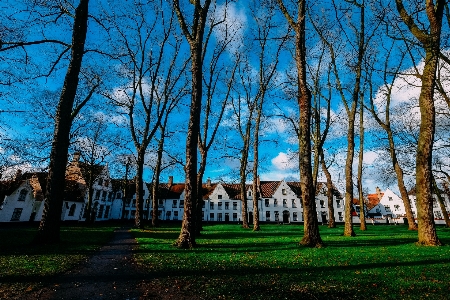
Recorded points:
(233,263)
(23,266)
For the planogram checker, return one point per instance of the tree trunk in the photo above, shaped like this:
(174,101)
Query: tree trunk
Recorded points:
(362,214)
(400,182)
(331,220)
(187,234)
(348,228)
(431,44)
(441,203)
(243,191)
(155,186)
(138,220)
(199,202)
(49,228)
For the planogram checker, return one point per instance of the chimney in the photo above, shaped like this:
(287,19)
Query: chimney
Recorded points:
(170,181)
(378,193)
(208,182)
(18,174)
(76,156)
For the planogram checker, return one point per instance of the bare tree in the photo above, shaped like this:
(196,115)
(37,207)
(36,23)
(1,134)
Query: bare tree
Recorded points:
(387,127)
(311,235)
(429,37)
(194,33)
(147,68)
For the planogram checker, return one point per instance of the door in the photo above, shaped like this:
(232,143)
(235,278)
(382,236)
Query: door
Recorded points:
(286,216)
(250,217)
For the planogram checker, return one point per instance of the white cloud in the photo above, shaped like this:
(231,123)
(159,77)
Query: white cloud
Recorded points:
(285,161)
(369,157)
(234,25)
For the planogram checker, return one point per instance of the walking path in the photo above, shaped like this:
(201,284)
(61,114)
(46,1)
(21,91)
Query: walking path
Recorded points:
(110,274)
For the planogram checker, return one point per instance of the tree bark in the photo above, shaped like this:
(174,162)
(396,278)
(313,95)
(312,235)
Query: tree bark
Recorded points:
(138,220)
(331,220)
(362,214)
(431,44)
(49,228)
(186,238)
(441,203)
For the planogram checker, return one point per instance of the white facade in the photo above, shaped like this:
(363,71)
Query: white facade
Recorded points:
(21,205)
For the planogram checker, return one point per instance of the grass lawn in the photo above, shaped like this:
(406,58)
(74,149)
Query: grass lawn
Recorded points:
(22,266)
(233,263)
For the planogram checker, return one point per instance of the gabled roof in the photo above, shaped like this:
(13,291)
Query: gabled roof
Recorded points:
(373,200)
(233,190)
(268,188)
(37,181)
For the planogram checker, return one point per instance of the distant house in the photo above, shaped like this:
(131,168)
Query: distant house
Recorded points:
(23,197)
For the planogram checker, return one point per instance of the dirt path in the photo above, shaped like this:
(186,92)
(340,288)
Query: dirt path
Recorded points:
(109,274)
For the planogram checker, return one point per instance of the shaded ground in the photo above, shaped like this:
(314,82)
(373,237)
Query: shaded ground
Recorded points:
(109,274)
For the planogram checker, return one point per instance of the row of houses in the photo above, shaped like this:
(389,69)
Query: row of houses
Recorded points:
(21,199)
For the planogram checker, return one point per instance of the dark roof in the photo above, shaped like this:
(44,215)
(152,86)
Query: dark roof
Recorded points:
(268,188)
(37,180)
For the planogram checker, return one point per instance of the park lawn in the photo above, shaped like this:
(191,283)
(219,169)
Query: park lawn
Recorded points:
(233,263)
(24,266)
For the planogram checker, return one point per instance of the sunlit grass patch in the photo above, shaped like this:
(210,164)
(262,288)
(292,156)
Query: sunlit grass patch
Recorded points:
(234,263)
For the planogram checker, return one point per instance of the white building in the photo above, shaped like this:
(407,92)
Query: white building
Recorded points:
(22,198)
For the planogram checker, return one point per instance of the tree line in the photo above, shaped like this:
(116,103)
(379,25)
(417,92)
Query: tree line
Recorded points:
(166,70)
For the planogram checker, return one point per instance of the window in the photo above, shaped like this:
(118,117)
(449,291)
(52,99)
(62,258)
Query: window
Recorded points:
(377,210)
(275,202)
(143,192)
(203,215)
(277,216)
(100,212)
(396,207)
(340,216)
(294,216)
(110,195)
(106,182)
(211,205)
(283,191)
(100,181)
(119,195)
(175,215)
(219,197)
(267,202)
(322,204)
(267,215)
(234,216)
(104,195)
(390,199)
(72,210)
(437,215)
(203,204)
(107,212)
(249,193)
(97,195)
(434,203)
(234,205)
(219,217)
(211,216)
(294,205)
(16,214)
(219,206)
(227,205)
(160,202)
(387,208)
(174,203)
(168,215)
(338,203)
(22,195)
(181,203)
(285,203)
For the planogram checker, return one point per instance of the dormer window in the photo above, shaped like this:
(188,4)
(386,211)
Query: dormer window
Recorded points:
(22,195)
(283,191)
(100,181)
(249,193)
(390,199)
(219,197)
